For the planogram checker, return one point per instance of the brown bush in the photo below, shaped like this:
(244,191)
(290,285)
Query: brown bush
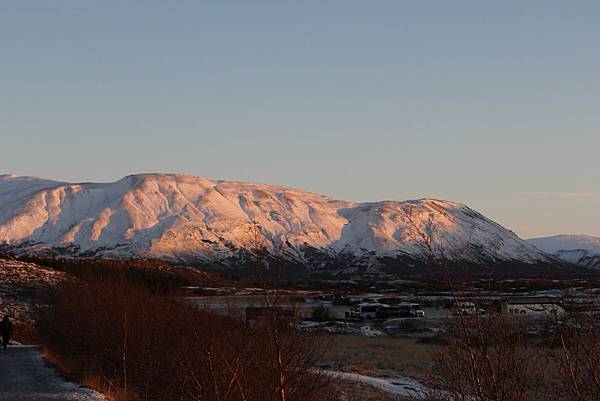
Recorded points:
(489,358)
(579,356)
(148,347)
(24,332)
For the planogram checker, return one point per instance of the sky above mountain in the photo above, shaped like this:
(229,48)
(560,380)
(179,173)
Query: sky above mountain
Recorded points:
(492,104)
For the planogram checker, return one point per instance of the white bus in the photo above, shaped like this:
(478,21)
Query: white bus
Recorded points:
(365,311)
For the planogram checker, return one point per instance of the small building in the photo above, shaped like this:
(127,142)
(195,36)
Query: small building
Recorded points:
(533,306)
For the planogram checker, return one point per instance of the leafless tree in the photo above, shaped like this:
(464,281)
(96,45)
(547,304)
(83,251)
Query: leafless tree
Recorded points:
(294,354)
(579,355)
(487,357)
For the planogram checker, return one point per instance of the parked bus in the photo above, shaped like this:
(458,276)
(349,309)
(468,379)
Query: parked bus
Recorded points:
(364,311)
(384,311)
(400,310)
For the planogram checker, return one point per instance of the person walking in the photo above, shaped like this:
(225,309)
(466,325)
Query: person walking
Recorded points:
(6,330)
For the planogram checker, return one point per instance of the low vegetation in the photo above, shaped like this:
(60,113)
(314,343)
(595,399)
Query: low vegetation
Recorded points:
(135,343)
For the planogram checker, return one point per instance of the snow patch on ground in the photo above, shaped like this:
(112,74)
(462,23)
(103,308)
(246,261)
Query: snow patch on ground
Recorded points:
(20,283)
(398,386)
(340,327)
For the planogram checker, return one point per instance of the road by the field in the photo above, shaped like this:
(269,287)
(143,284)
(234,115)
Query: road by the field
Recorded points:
(25,377)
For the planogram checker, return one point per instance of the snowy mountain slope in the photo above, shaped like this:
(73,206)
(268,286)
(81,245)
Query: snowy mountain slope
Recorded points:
(188,219)
(583,250)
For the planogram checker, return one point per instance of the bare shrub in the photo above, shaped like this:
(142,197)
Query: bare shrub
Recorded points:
(282,340)
(579,356)
(321,313)
(142,346)
(488,359)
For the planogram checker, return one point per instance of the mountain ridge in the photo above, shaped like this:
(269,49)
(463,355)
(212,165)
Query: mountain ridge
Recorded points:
(582,250)
(188,219)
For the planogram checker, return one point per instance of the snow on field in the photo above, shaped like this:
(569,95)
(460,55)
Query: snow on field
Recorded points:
(19,283)
(178,217)
(343,328)
(398,386)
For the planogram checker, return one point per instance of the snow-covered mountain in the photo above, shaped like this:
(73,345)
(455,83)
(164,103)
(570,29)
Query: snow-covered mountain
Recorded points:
(195,220)
(583,250)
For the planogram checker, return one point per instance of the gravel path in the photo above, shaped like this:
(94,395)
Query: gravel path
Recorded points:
(25,377)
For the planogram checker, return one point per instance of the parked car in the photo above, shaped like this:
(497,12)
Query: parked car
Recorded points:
(419,313)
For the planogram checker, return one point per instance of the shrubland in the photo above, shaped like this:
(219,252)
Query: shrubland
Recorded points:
(116,330)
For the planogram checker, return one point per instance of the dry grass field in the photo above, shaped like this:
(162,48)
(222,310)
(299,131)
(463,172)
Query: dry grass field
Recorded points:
(381,356)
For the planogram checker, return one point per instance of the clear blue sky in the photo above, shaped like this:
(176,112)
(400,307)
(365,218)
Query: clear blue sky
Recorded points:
(495,104)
